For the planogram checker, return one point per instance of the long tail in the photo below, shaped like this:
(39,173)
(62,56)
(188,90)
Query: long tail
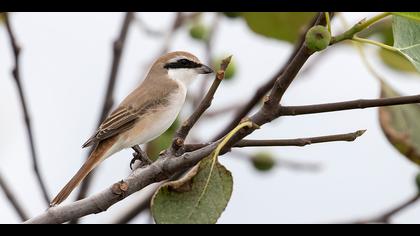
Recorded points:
(94,159)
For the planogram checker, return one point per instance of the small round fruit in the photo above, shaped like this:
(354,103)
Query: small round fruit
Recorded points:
(318,38)
(263,161)
(198,31)
(232,14)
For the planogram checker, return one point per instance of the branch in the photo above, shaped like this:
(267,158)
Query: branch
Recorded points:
(162,169)
(265,88)
(108,101)
(222,111)
(138,207)
(16,74)
(300,142)
(168,164)
(179,21)
(208,46)
(385,218)
(348,105)
(183,131)
(13,200)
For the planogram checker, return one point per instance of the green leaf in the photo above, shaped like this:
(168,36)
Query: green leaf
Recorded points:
(198,198)
(394,60)
(409,15)
(401,125)
(407,39)
(278,25)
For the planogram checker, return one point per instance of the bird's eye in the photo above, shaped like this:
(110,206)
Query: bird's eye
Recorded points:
(184,62)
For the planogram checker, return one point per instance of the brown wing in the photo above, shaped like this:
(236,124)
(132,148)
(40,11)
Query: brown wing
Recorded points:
(119,121)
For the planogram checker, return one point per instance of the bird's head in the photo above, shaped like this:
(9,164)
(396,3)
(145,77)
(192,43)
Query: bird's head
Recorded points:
(183,67)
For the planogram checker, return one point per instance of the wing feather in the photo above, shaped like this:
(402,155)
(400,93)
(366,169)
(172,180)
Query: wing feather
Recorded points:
(119,121)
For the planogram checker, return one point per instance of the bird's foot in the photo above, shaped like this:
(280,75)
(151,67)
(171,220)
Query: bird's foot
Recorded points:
(139,155)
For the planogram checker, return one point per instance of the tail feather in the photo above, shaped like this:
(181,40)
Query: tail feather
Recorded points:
(94,159)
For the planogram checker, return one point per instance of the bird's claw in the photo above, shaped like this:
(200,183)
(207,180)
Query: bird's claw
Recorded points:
(141,156)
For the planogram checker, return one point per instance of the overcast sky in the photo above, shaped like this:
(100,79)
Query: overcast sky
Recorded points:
(65,64)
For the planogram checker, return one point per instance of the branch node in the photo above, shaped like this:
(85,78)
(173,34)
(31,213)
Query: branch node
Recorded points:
(120,188)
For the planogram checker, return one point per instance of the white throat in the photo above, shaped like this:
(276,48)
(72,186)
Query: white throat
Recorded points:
(182,76)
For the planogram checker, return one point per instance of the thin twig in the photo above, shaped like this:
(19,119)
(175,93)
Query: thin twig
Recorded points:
(146,28)
(299,142)
(179,21)
(208,45)
(13,200)
(348,105)
(16,74)
(386,217)
(183,131)
(108,102)
(222,111)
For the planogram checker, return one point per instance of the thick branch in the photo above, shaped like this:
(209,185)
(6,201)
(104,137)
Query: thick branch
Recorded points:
(300,142)
(138,207)
(108,101)
(13,200)
(16,74)
(183,131)
(162,169)
(348,105)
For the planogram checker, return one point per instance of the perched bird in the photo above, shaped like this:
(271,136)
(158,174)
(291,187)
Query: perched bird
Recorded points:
(144,114)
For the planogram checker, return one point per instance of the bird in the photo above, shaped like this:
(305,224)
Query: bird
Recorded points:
(146,113)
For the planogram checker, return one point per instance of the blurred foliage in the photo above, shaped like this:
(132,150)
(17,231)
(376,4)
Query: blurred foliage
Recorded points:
(286,26)
(318,38)
(401,125)
(231,70)
(409,15)
(200,197)
(418,181)
(162,142)
(232,14)
(199,31)
(407,38)
(1,17)
(263,161)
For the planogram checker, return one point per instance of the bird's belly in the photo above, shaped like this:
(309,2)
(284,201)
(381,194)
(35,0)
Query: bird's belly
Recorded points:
(154,124)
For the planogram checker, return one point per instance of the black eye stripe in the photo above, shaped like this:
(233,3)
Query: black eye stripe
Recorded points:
(182,63)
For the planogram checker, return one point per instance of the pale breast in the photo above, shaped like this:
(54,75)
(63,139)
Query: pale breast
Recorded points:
(155,121)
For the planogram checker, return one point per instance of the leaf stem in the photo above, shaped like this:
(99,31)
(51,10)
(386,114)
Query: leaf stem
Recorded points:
(362,25)
(328,21)
(372,42)
(216,154)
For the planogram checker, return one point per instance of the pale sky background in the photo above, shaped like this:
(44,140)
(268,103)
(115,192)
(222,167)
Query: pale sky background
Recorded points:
(65,65)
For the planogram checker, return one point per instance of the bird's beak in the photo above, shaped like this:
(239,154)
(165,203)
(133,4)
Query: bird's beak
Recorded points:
(203,69)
